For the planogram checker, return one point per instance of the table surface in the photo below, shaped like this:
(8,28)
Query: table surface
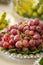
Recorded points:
(4,61)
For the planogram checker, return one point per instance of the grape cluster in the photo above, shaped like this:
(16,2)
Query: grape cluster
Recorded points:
(24,36)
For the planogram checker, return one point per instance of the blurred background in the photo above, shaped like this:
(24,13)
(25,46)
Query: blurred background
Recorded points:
(4,1)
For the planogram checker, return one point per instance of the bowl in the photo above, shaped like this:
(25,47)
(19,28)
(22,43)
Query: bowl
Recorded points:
(28,9)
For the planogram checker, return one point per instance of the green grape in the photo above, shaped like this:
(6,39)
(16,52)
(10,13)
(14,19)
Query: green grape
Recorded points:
(41,16)
(35,14)
(30,12)
(35,5)
(3,16)
(2,26)
(40,10)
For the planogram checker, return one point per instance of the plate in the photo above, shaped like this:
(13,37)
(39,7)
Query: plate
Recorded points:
(14,56)
(37,61)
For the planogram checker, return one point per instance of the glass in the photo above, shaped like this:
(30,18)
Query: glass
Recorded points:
(29,8)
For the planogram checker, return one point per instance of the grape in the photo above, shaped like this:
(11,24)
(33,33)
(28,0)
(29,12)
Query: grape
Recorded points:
(30,23)
(41,25)
(16,38)
(18,32)
(40,46)
(24,49)
(30,12)
(36,22)
(36,36)
(26,38)
(11,36)
(35,14)
(33,28)
(25,43)
(1,35)
(42,36)
(27,32)
(11,46)
(6,45)
(41,32)
(40,9)
(6,37)
(38,28)
(25,28)
(10,28)
(31,33)
(14,31)
(19,44)
(1,44)
(11,42)
(32,43)
(33,48)
(20,28)
(38,42)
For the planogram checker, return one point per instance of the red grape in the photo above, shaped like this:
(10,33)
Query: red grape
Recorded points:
(1,44)
(31,33)
(11,36)
(41,32)
(38,42)
(11,46)
(38,28)
(14,31)
(6,45)
(33,48)
(27,32)
(36,36)
(42,36)
(6,37)
(33,28)
(16,38)
(25,28)
(10,28)
(25,43)
(24,49)
(32,43)
(1,34)
(19,44)
(30,23)
(26,38)
(11,42)
(20,28)
(41,25)
(42,45)
(36,22)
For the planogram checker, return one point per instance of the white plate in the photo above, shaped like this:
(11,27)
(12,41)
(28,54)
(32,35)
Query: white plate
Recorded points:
(37,61)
